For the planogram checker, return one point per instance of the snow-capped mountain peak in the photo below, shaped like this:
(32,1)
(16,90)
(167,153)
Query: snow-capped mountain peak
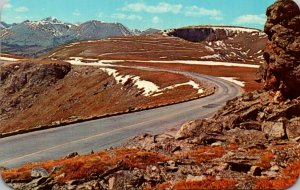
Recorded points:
(51,19)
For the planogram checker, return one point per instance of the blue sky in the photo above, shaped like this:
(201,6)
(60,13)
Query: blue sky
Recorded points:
(142,14)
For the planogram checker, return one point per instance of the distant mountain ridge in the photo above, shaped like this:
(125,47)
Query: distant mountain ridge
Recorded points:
(33,38)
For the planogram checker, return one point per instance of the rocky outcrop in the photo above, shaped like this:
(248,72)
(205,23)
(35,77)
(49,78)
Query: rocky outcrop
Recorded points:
(225,43)
(21,82)
(209,33)
(281,71)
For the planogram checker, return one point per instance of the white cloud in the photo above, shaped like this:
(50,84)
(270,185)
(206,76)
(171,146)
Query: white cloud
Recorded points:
(196,11)
(76,12)
(22,9)
(126,17)
(156,20)
(251,19)
(7,6)
(162,7)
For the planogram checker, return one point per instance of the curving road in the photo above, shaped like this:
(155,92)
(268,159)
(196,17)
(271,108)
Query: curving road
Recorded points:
(112,131)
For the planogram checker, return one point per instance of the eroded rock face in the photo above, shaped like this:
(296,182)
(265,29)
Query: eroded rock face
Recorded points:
(281,71)
(22,81)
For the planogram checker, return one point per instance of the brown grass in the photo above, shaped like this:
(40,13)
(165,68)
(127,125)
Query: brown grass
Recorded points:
(288,178)
(87,91)
(205,153)
(155,47)
(265,160)
(210,183)
(83,166)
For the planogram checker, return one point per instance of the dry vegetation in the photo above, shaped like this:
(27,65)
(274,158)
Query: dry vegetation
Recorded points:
(156,47)
(84,92)
(98,164)
(210,183)
(82,167)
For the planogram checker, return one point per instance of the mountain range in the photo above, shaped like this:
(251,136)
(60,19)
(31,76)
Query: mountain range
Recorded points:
(32,38)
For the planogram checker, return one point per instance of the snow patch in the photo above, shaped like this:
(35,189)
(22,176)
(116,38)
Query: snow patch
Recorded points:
(148,87)
(236,29)
(234,80)
(221,44)
(8,59)
(209,63)
(191,83)
(79,61)
(72,44)
(214,56)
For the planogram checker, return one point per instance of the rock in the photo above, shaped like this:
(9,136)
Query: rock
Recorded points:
(147,178)
(39,181)
(56,168)
(275,168)
(293,128)
(251,125)
(255,171)
(239,167)
(222,167)
(281,71)
(246,137)
(195,178)
(71,155)
(177,148)
(274,130)
(171,163)
(39,172)
(73,182)
(250,114)
(186,130)
(172,168)
(111,182)
(271,174)
(218,143)
(154,168)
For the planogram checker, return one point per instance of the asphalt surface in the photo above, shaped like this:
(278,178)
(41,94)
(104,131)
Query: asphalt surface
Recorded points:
(112,131)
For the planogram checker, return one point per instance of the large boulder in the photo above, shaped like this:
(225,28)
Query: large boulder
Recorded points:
(281,72)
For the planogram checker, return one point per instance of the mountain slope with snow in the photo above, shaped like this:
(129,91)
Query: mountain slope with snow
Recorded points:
(36,37)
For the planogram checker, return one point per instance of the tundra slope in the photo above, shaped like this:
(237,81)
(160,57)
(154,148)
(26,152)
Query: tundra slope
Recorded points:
(35,87)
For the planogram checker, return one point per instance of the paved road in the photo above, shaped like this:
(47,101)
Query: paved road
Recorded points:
(103,133)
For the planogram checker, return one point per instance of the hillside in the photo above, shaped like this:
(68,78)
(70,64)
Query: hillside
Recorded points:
(33,89)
